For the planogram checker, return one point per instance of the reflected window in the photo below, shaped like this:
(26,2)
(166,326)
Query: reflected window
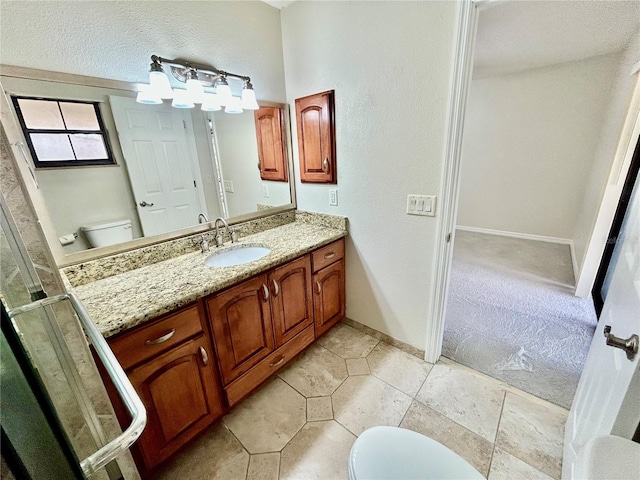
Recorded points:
(63,133)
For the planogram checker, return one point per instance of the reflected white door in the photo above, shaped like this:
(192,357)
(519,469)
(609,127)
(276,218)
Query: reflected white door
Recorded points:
(154,142)
(606,399)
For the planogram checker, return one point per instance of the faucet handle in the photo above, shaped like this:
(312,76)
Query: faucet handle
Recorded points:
(234,235)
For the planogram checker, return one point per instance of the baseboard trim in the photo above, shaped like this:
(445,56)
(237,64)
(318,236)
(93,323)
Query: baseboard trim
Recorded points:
(529,236)
(405,347)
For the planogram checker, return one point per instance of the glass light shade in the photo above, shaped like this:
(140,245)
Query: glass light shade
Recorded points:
(249,99)
(234,106)
(181,99)
(148,96)
(224,94)
(210,103)
(159,83)
(195,90)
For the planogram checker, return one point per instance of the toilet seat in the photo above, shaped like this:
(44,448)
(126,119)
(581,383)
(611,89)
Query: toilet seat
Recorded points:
(391,453)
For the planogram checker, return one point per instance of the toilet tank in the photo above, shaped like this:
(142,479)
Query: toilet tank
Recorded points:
(108,233)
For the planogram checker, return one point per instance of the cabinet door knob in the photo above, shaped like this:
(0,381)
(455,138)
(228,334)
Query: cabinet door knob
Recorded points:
(325,165)
(276,288)
(205,357)
(265,291)
(319,289)
(161,339)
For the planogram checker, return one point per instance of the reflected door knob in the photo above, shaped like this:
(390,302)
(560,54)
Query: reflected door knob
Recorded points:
(629,345)
(145,204)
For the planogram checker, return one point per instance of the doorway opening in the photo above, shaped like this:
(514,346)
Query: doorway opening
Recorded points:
(530,157)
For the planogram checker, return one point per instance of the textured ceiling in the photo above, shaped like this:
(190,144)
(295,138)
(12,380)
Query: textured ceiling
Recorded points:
(518,35)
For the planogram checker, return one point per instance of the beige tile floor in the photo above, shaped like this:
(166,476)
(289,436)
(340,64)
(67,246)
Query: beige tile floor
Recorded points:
(301,424)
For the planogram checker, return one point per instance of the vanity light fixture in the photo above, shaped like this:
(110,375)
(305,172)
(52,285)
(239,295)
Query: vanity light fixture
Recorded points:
(196,77)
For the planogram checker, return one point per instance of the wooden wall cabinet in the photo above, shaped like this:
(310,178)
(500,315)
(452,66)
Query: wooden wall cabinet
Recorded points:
(272,147)
(178,383)
(329,286)
(315,119)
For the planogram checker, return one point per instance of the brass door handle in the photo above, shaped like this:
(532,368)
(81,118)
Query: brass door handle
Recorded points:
(161,339)
(325,165)
(629,345)
(280,360)
(265,291)
(276,288)
(205,356)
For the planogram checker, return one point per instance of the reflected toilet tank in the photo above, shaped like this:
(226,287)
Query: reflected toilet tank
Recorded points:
(108,233)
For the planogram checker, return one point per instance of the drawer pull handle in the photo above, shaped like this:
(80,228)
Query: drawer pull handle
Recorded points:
(276,288)
(161,339)
(265,291)
(205,357)
(280,360)
(330,255)
(319,290)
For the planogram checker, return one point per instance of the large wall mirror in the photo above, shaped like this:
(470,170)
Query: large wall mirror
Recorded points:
(168,167)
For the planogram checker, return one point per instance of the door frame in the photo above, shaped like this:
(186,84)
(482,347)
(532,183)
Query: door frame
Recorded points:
(468,13)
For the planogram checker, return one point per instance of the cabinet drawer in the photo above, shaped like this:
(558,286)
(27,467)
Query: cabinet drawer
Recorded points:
(145,342)
(244,385)
(327,255)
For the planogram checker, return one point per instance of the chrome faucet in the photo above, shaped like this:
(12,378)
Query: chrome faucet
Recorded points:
(229,231)
(202,218)
(204,243)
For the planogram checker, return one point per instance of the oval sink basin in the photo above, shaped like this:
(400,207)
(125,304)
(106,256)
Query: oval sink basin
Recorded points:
(237,256)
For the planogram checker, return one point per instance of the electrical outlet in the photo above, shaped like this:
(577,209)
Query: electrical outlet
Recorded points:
(228,186)
(333,197)
(421,205)
(265,190)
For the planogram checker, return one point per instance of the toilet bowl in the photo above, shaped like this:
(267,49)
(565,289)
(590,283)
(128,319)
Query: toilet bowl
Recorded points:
(393,453)
(108,233)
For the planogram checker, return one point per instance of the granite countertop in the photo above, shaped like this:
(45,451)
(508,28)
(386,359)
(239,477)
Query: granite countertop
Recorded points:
(123,301)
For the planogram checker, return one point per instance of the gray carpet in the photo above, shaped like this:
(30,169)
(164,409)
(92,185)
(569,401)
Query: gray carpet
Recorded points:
(511,314)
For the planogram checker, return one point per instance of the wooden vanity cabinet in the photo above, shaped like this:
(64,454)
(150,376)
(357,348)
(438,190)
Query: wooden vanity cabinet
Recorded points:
(272,147)
(328,286)
(171,364)
(241,324)
(316,138)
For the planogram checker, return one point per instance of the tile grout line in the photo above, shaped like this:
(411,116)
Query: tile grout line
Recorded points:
(495,440)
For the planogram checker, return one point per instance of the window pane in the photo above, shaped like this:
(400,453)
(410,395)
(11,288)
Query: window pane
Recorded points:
(79,116)
(52,146)
(88,147)
(41,114)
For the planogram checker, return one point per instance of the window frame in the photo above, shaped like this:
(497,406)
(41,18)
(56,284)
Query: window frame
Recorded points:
(108,161)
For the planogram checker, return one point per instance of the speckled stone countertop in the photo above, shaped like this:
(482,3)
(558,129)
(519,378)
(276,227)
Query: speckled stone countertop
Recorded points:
(123,301)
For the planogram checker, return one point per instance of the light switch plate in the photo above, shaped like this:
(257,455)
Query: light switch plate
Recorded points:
(424,205)
(265,190)
(228,186)
(333,197)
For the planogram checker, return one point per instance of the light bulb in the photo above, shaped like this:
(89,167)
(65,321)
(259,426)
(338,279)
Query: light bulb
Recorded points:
(181,99)
(223,90)
(249,97)
(195,90)
(210,103)
(160,85)
(147,96)
(234,106)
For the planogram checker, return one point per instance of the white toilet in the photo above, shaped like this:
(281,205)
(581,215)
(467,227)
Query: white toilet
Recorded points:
(108,233)
(392,453)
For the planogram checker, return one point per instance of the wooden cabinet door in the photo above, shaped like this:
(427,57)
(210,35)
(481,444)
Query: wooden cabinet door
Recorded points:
(272,148)
(182,397)
(316,138)
(328,296)
(291,299)
(240,319)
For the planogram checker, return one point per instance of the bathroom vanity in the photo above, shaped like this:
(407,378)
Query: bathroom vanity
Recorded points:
(195,340)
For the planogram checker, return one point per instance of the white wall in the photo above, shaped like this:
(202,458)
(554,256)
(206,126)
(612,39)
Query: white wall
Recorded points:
(116,39)
(390,64)
(528,146)
(603,188)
